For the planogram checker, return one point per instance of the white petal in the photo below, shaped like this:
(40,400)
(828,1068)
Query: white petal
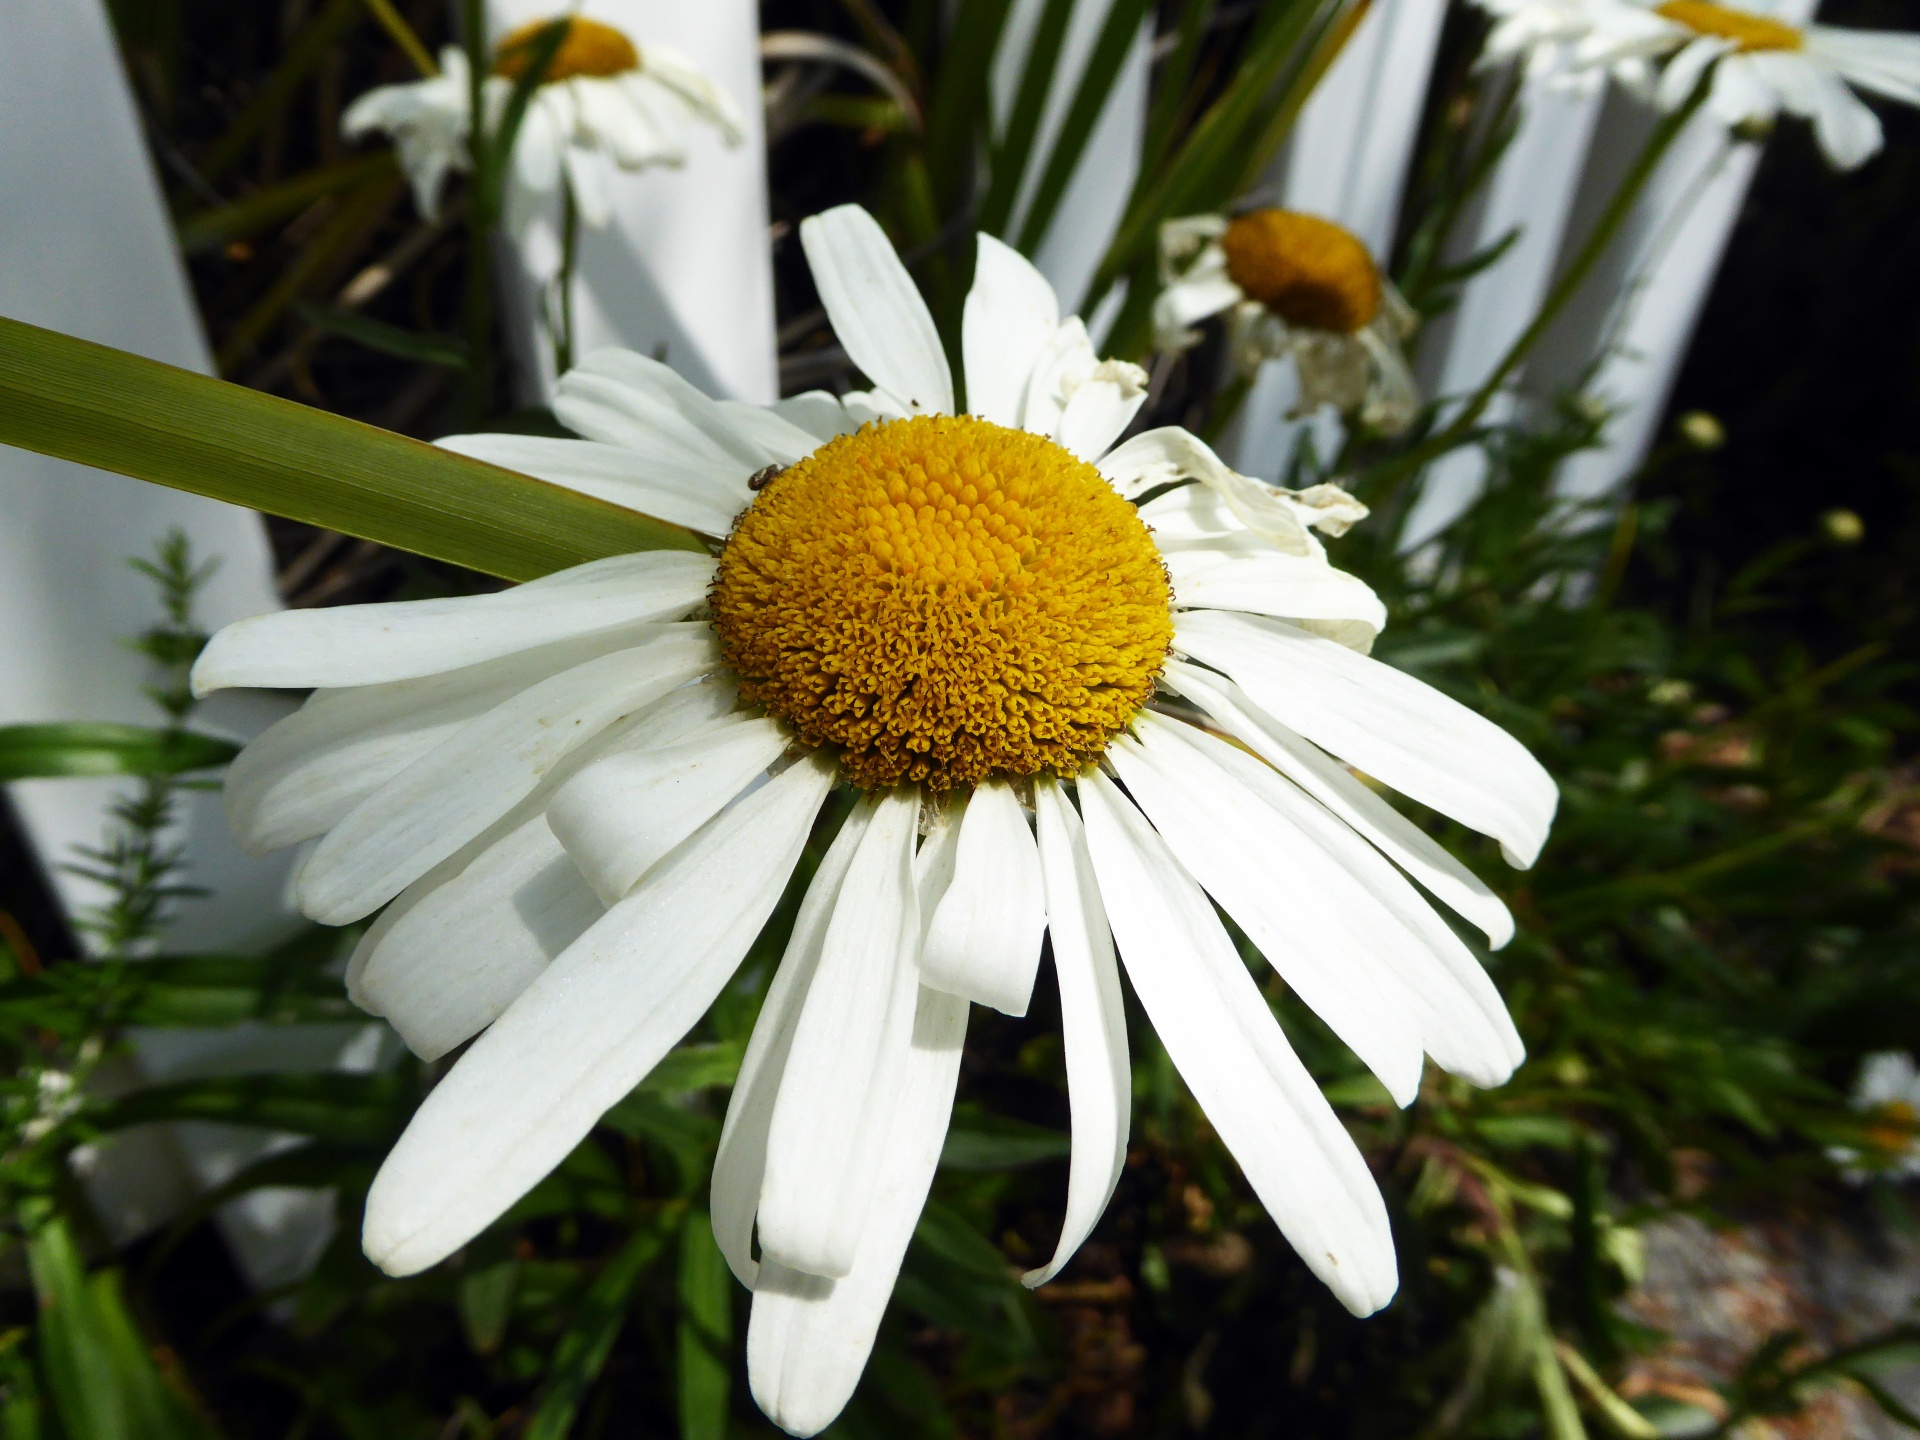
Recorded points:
(666,67)
(453,960)
(1160,457)
(739,1169)
(1093,1023)
(876,309)
(1684,70)
(303,774)
(1229,1049)
(638,401)
(770,431)
(1011,313)
(621,815)
(1329,782)
(476,775)
(809,1337)
(1403,733)
(1101,407)
(588,181)
(1883,61)
(1407,951)
(1187,301)
(703,496)
(850,1046)
(1067,357)
(376,644)
(588,1030)
(1283,893)
(984,939)
(821,415)
(1267,582)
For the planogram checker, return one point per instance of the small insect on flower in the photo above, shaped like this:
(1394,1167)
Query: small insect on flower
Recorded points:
(763,477)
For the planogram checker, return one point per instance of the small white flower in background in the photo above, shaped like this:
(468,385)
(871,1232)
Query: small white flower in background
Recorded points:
(1292,285)
(580,800)
(1761,64)
(1888,1094)
(604,103)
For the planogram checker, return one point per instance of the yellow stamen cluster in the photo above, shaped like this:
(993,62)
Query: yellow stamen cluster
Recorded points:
(945,600)
(588,48)
(1747,31)
(1310,272)
(1896,1125)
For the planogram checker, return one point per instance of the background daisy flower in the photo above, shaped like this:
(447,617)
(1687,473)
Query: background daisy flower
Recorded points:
(1293,285)
(604,103)
(1065,713)
(1887,1092)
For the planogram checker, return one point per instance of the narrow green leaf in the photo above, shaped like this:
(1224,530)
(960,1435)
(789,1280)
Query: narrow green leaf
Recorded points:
(696,1067)
(980,1141)
(1117,37)
(1170,85)
(116,411)
(583,1349)
(387,339)
(98,747)
(1016,144)
(212,228)
(486,1303)
(705,1340)
(341,1108)
(956,119)
(326,30)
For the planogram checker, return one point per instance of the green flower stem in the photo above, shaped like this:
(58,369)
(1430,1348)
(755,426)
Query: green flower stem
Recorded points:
(396,26)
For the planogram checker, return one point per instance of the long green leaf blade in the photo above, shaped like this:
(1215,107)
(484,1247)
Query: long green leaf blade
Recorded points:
(705,1331)
(116,411)
(583,1349)
(98,747)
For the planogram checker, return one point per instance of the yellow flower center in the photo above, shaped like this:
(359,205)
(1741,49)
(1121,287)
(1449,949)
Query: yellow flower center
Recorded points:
(1896,1124)
(1747,30)
(1310,272)
(946,600)
(588,48)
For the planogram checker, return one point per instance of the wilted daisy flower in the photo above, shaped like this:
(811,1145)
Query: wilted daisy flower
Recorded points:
(1081,689)
(1888,1094)
(605,102)
(1297,285)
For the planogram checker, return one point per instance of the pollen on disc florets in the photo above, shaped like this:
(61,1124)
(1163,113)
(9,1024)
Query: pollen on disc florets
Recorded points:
(1310,272)
(945,600)
(588,48)
(1747,31)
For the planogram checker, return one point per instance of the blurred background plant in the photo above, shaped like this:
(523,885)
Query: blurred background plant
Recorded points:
(1644,1233)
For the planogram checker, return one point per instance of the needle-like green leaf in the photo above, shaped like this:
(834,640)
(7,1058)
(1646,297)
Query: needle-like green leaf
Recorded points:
(106,408)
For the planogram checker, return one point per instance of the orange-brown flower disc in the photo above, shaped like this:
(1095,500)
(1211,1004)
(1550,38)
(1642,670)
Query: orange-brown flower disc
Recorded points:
(946,601)
(1310,272)
(588,48)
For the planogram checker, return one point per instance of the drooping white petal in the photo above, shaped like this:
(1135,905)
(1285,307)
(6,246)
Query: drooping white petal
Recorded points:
(703,496)
(739,1169)
(1405,734)
(1684,70)
(984,939)
(450,964)
(1322,868)
(1883,61)
(1066,358)
(850,1047)
(665,66)
(629,399)
(1848,131)
(1330,783)
(1249,575)
(876,309)
(1288,897)
(305,773)
(809,1337)
(588,1029)
(1160,457)
(473,932)
(376,644)
(771,431)
(821,415)
(1093,1023)
(474,776)
(1229,1049)
(621,815)
(1011,313)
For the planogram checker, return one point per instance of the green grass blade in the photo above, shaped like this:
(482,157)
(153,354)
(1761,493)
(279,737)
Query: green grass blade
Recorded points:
(93,747)
(583,1349)
(1170,86)
(212,228)
(1117,37)
(388,339)
(303,57)
(705,1332)
(116,411)
(1016,143)
(956,118)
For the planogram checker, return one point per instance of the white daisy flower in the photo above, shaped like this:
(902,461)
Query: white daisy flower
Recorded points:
(1293,285)
(1083,689)
(1545,35)
(1762,64)
(1888,1092)
(605,103)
